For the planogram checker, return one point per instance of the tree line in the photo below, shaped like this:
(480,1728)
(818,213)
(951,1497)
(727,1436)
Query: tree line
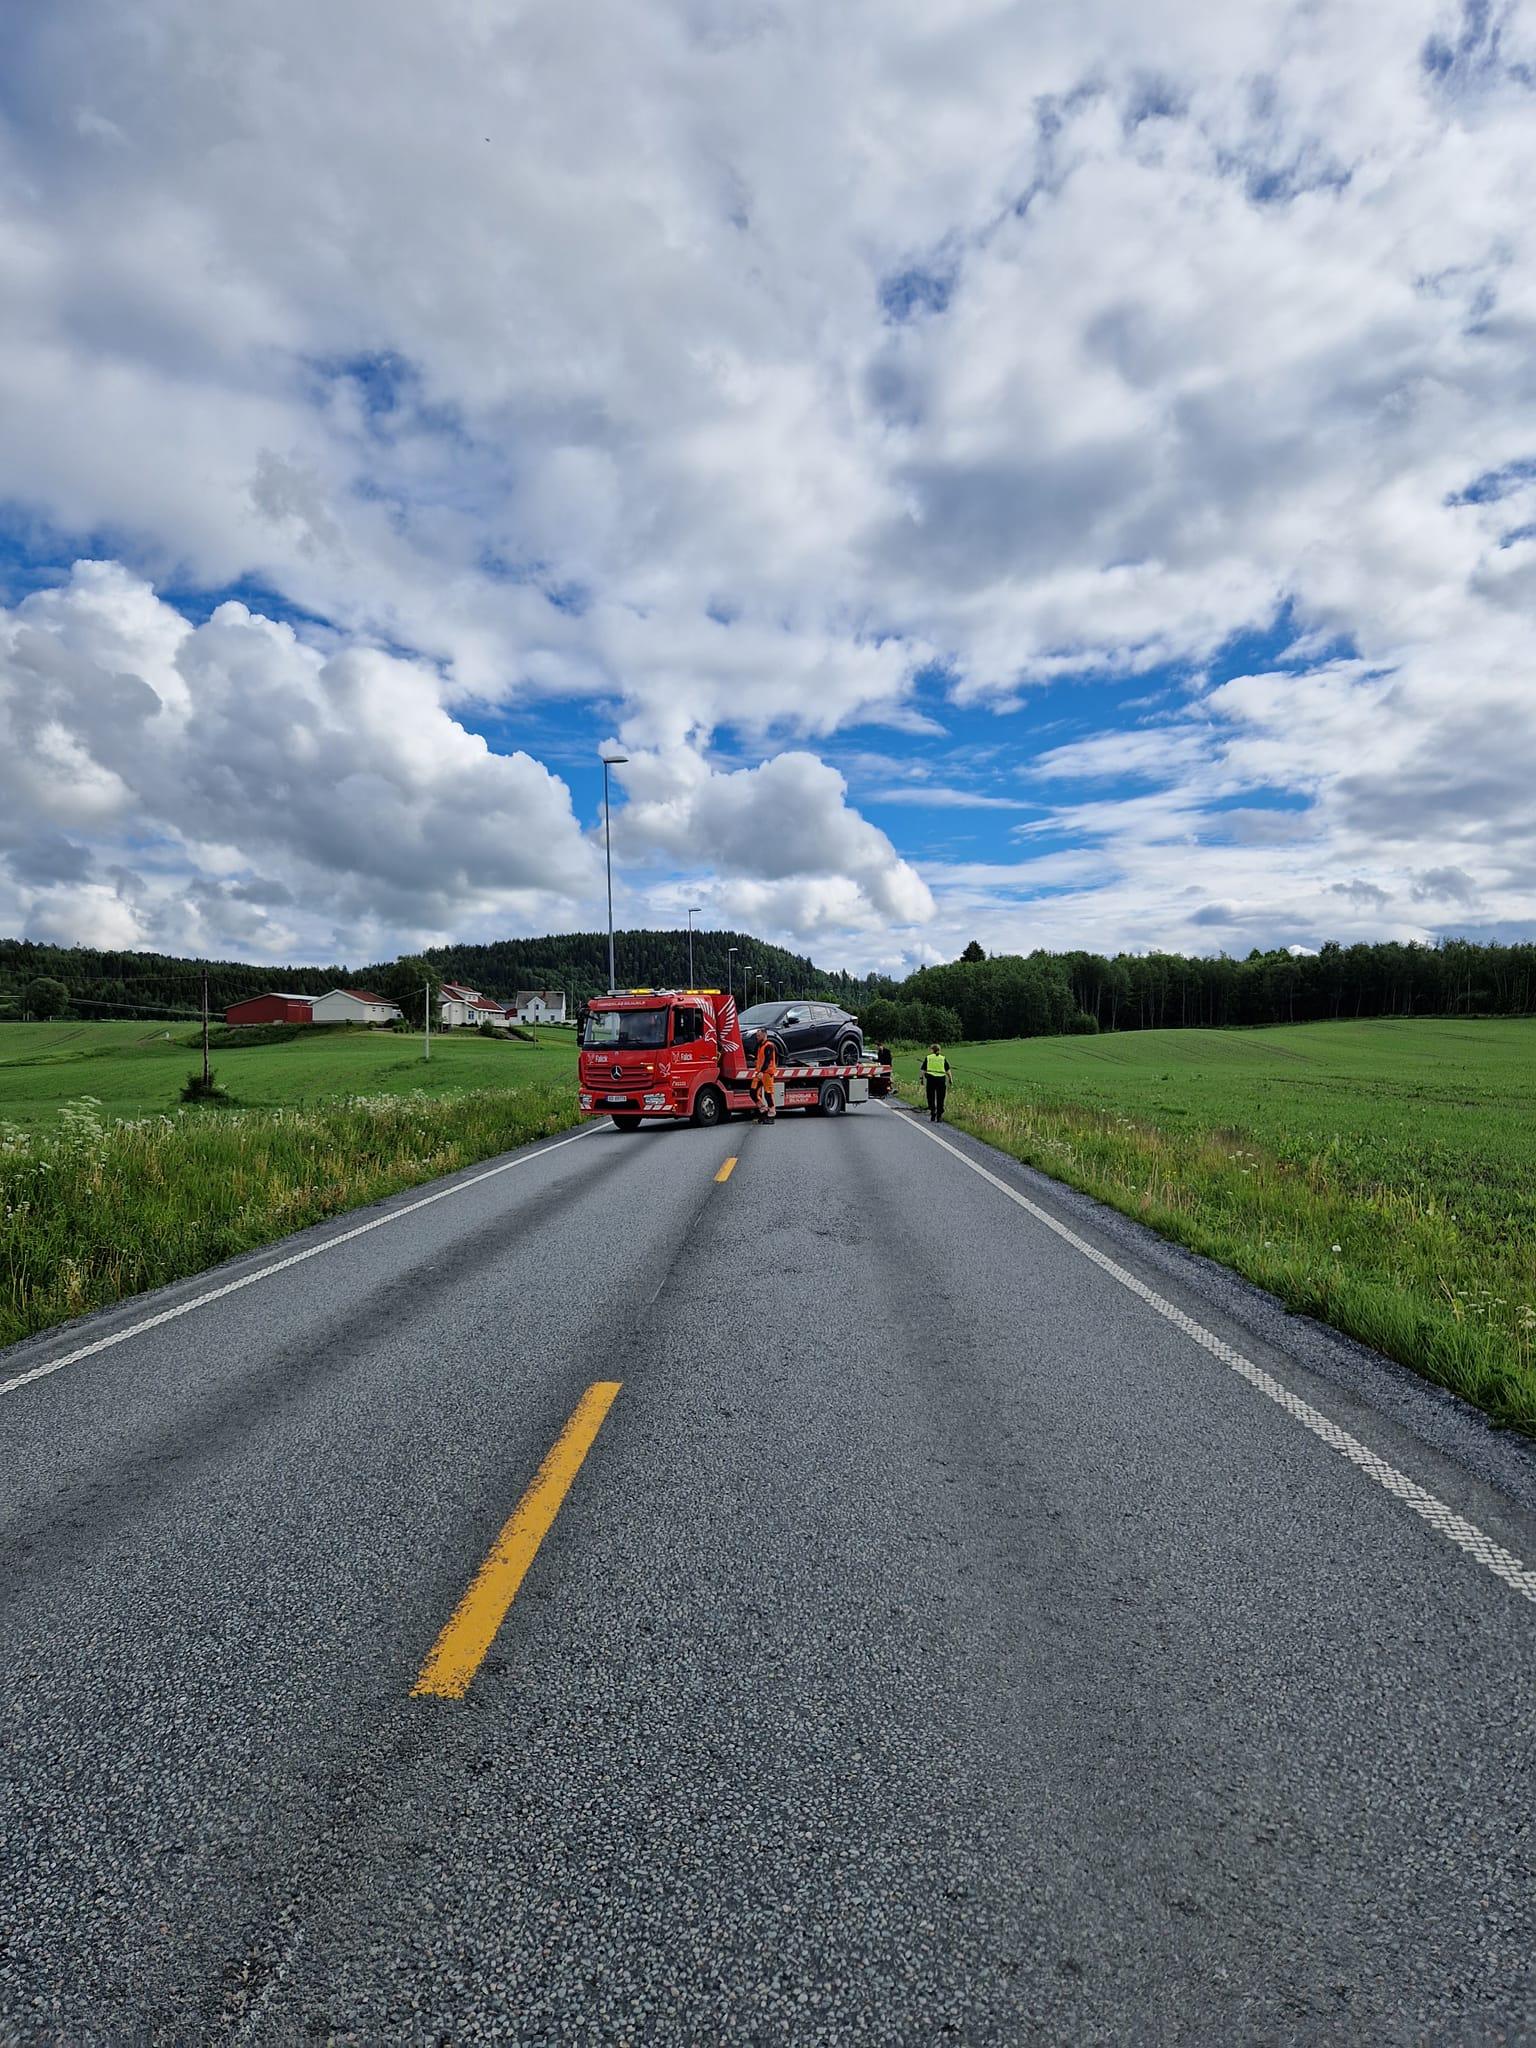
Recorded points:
(99,983)
(1008,996)
(1012,996)
(47,981)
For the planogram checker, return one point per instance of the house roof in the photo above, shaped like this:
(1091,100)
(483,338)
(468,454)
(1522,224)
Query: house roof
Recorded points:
(363,995)
(457,992)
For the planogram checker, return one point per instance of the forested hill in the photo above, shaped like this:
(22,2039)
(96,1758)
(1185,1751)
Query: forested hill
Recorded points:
(1009,996)
(578,962)
(108,984)
(111,984)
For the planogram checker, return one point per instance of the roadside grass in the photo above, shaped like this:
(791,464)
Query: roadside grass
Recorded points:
(1378,1175)
(92,1210)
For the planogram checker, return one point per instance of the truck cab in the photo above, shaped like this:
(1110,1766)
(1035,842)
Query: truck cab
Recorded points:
(661,1053)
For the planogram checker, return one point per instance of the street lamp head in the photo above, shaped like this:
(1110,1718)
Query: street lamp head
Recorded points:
(613,760)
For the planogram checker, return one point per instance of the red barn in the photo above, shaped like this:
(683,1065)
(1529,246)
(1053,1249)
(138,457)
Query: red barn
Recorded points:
(271,1010)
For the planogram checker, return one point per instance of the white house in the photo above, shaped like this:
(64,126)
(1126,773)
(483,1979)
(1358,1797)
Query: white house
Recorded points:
(538,1006)
(353,1006)
(458,1005)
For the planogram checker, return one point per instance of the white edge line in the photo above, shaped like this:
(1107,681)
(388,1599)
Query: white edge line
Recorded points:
(185,1308)
(1443,1519)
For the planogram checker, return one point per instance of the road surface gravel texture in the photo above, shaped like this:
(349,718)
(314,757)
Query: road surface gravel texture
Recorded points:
(937,1644)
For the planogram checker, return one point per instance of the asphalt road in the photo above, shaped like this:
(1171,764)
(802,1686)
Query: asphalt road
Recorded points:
(941,1641)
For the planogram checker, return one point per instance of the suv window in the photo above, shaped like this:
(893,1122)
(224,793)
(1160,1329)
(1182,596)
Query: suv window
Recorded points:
(828,1013)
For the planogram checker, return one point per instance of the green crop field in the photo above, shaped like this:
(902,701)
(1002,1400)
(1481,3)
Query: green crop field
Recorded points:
(135,1069)
(1380,1175)
(109,1186)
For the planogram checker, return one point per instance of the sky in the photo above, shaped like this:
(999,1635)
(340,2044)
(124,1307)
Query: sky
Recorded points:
(1058,474)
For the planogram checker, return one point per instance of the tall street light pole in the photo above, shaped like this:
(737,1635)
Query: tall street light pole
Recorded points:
(609,761)
(693,911)
(730,972)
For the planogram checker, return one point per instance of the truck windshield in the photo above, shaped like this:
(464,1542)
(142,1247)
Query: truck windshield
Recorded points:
(618,1029)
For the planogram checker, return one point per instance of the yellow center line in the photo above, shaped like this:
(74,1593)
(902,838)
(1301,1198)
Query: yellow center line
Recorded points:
(728,1169)
(470,1631)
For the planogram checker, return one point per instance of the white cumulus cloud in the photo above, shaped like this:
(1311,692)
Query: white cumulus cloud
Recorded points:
(741,382)
(781,839)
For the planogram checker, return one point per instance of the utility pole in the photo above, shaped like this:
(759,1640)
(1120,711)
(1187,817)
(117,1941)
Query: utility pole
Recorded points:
(207,1077)
(693,911)
(426,1017)
(609,761)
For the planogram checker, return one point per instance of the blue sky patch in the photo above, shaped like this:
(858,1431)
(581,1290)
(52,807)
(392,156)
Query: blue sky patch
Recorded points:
(909,293)
(1494,484)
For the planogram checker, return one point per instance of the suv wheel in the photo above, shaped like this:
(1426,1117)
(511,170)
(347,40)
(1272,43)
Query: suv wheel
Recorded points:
(849,1053)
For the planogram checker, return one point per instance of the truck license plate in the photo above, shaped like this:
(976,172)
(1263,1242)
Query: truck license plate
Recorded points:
(615,1098)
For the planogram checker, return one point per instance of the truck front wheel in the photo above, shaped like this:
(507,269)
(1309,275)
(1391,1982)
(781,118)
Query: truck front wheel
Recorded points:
(708,1108)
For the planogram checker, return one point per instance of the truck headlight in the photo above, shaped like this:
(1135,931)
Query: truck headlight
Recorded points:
(586,1101)
(655,1102)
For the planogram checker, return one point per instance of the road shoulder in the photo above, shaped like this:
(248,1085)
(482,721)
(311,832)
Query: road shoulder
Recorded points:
(1358,1386)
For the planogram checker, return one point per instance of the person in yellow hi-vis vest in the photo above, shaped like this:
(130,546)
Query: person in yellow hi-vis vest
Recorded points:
(937,1074)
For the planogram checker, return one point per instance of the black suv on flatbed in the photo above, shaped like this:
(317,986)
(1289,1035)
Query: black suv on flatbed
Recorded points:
(806,1034)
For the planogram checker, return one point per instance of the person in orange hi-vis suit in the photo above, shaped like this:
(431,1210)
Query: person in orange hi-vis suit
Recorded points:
(765,1072)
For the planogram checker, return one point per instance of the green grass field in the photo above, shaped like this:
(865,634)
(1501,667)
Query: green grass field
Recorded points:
(1377,1174)
(1380,1175)
(108,1186)
(136,1069)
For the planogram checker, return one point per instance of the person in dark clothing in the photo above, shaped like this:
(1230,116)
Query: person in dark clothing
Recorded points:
(937,1074)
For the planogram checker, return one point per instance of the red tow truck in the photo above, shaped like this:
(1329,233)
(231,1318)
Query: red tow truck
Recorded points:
(675,1055)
